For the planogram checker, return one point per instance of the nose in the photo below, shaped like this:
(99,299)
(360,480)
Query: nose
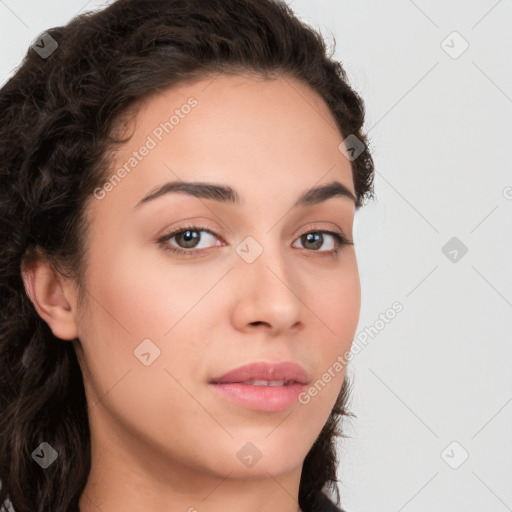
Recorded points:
(267,294)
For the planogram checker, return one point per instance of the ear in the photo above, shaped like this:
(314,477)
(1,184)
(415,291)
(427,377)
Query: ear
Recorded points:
(52,299)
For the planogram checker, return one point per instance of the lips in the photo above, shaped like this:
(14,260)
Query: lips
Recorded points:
(262,386)
(264,373)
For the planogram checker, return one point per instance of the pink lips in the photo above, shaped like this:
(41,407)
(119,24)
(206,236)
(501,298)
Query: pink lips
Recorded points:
(262,397)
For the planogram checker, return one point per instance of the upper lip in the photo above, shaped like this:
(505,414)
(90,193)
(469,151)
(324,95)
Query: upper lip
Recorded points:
(286,371)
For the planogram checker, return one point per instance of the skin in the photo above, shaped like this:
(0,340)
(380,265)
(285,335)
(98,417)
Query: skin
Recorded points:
(161,439)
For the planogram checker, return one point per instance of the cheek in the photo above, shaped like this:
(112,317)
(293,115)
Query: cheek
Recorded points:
(337,303)
(144,295)
(135,297)
(341,304)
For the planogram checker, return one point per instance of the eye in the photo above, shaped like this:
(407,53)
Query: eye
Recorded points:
(189,241)
(314,240)
(188,238)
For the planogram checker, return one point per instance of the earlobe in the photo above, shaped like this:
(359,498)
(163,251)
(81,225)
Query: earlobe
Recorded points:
(45,289)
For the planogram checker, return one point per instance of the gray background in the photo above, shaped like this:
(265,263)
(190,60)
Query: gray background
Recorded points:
(433,385)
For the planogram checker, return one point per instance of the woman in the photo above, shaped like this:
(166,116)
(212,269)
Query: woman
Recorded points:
(179,283)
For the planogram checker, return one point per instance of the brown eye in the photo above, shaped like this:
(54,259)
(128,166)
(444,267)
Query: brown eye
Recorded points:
(312,240)
(187,240)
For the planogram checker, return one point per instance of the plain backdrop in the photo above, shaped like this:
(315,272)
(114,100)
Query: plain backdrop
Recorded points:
(432,385)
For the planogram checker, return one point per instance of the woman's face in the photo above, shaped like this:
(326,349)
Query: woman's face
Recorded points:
(158,326)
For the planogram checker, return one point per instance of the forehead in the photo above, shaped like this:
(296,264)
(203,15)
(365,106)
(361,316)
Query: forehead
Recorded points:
(273,135)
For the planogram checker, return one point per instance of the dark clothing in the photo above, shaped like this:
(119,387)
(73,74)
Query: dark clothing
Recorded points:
(322,503)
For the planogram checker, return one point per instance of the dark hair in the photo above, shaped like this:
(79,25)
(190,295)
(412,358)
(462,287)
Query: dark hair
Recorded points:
(57,118)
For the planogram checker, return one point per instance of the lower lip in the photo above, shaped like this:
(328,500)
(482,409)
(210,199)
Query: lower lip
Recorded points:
(260,398)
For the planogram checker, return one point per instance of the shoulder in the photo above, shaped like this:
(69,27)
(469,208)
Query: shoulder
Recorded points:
(321,503)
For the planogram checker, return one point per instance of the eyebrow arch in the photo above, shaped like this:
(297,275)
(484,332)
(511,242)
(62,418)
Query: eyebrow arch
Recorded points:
(225,193)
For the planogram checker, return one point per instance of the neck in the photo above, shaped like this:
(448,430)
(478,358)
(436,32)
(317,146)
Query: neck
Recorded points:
(109,492)
(126,475)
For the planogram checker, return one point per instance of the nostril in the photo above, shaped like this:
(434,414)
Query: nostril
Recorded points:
(259,322)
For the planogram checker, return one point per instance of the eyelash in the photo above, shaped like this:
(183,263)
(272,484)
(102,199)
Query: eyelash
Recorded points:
(340,241)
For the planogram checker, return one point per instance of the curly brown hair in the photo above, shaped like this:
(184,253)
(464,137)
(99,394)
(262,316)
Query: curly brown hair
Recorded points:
(57,119)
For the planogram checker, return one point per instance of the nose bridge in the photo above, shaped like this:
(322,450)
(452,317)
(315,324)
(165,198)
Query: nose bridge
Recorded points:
(264,256)
(267,288)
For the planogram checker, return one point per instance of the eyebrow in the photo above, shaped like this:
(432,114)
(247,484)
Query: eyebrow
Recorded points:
(226,194)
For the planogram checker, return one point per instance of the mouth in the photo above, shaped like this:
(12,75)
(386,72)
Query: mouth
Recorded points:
(273,383)
(262,386)
(263,373)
